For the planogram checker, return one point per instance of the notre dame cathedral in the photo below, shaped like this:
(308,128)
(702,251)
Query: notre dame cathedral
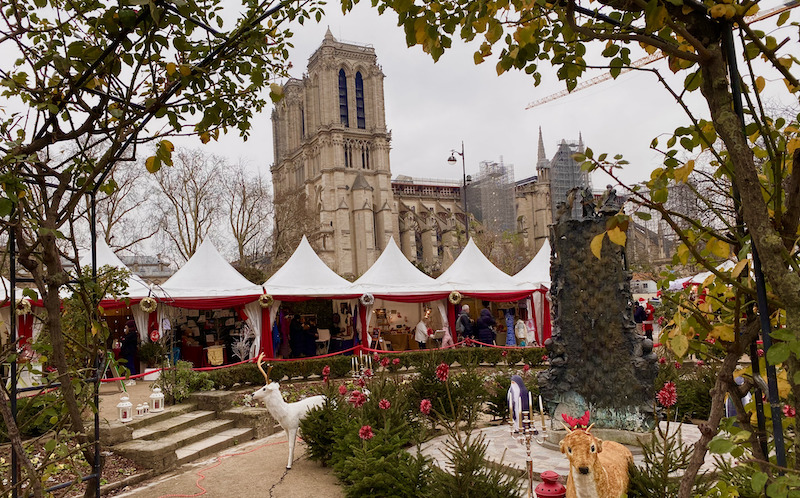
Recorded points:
(331,144)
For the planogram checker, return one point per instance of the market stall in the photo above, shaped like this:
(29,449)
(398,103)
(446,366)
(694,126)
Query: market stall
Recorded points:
(211,311)
(476,279)
(536,275)
(401,295)
(307,288)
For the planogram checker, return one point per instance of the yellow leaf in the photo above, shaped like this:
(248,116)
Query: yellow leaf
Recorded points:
(708,281)
(760,83)
(95,328)
(171,68)
(168,145)
(679,345)
(723,332)
(719,248)
(205,137)
(718,11)
(683,253)
(152,164)
(185,70)
(617,236)
(597,244)
(682,173)
(793,145)
(737,270)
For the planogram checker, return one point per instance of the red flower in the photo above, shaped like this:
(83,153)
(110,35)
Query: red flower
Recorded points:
(361,382)
(384,362)
(375,357)
(504,353)
(366,433)
(325,379)
(442,372)
(357,399)
(711,340)
(788,411)
(396,361)
(677,365)
(384,404)
(525,368)
(425,406)
(668,395)
(700,363)
(545,357)
(760,352)
(326,371)
(342,389)
(662,360)
(368,372)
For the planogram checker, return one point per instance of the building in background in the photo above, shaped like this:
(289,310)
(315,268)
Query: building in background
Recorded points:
(331,147)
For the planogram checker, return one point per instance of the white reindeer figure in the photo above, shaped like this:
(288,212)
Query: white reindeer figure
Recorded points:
(288,415)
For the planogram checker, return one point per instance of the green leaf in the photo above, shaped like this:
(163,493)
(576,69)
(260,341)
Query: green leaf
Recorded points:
(778,353)
(679,344)
(6,205)
(783,18)
(759,479)
(644,216)
(50,445)
(720,446)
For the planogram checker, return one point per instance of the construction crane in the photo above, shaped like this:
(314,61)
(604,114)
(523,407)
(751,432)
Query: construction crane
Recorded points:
(650,58)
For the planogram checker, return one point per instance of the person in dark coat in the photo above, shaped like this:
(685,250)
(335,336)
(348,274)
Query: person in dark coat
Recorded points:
(296,333)
(484,325)
(130,345)
(310,335)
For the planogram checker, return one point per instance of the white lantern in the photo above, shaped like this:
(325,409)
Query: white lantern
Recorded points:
(125,409)
(146,408)
(157,399)
(139,410)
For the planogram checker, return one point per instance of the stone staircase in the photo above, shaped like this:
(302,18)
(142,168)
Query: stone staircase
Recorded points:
(181,433)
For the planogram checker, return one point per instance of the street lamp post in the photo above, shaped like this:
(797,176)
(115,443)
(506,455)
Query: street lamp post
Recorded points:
(452,161)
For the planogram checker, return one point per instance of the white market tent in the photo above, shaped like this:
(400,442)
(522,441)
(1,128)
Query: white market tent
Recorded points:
(393,278)
(137,287)
(208,282)
(473,274)
(393,274)
(537,272)
(698,279)
(306,276)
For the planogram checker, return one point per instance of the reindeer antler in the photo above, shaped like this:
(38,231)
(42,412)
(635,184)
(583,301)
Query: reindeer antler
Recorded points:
(269,370)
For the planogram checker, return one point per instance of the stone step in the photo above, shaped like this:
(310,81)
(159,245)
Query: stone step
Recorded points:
(209,445)
(152,418)
(172,425)
(160,454)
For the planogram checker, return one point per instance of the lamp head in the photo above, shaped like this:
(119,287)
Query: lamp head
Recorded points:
(452,160)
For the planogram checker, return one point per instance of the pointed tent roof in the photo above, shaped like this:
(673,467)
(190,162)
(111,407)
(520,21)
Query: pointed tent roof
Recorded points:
(393,274)
(305,274)
(207,275)
(473,273)
(137,287)
(537,272)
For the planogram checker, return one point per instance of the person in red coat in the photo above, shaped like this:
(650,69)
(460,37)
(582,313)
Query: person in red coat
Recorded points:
(647,325)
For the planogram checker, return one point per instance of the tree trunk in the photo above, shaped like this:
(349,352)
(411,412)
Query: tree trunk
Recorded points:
(16,442)
(55,278)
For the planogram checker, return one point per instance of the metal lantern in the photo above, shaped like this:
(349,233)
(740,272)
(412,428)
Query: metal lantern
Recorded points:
(125,409)
(157,399)
(145,408)
(550,487)
(139,410)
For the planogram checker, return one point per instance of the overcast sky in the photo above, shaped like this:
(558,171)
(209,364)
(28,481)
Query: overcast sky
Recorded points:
(431,107)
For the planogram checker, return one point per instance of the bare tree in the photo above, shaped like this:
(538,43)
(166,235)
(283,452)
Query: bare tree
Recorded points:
(250,211)
(293,219)
(190,205)
(121,213)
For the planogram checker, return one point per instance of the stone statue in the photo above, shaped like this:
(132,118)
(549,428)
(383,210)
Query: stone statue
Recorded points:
(611,202)
(587,203)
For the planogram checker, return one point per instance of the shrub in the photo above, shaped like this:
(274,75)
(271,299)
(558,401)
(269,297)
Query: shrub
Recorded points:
(36,415)
(178,383)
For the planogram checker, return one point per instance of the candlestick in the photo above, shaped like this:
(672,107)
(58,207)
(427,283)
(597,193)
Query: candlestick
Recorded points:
(541,410)
(530,402)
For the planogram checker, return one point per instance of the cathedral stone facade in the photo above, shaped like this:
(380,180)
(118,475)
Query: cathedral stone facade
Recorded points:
(331,144)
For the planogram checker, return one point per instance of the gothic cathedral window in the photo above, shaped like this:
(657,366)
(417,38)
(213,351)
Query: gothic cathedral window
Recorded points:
(361,120)
(343,116)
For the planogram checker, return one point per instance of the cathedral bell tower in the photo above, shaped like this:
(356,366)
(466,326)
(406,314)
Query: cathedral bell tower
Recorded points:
(331,144)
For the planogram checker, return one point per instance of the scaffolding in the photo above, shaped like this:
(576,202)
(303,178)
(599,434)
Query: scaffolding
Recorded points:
(492,196)
(565,174)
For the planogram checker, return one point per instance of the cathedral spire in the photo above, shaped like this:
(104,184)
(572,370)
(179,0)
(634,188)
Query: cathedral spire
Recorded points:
(329,36)
(580,142)
(541,161)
